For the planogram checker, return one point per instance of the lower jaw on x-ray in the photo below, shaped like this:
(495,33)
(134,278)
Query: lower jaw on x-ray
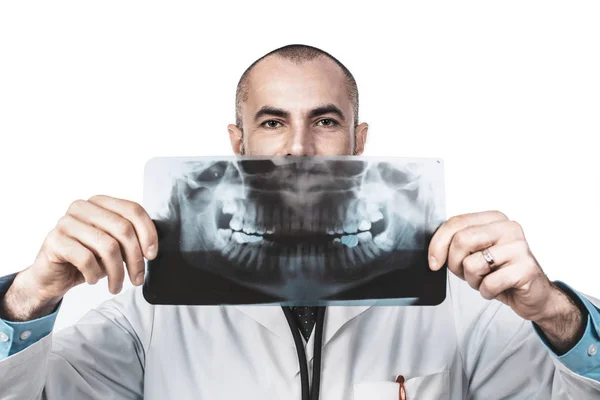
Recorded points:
(294,230)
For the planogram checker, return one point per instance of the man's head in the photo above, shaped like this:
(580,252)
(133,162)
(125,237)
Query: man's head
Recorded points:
(297,100)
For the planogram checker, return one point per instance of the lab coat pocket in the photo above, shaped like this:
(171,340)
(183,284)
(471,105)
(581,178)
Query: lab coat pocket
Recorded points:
(376,390)
(426,387)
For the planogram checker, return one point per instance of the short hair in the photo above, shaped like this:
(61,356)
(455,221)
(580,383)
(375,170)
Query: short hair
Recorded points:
(297,53)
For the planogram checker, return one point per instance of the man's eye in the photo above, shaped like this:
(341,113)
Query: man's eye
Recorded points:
(327,122)
(271,124)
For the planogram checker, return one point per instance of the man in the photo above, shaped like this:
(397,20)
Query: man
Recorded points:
(520,337)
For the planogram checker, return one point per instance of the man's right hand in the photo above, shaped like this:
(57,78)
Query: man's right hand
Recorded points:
(92,240)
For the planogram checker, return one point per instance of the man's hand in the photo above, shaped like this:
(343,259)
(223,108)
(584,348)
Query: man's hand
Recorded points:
(515,278)
(92,240)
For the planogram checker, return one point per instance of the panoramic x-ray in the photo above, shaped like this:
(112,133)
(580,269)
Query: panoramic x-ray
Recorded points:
(294,230)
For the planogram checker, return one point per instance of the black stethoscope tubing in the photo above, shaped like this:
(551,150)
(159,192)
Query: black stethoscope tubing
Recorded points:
(316,375)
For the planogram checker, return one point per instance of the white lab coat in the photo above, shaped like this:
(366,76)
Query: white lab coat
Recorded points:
(465,348)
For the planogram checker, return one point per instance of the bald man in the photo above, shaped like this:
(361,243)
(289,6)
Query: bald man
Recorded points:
(504,330)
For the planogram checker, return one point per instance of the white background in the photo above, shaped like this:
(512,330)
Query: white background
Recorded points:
(507,93)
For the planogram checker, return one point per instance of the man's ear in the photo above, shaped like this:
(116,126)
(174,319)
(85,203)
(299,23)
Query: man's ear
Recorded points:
(361,137)
(236,138)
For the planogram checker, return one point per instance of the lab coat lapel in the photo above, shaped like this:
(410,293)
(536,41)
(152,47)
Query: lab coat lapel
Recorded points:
(336,318)
(271,317)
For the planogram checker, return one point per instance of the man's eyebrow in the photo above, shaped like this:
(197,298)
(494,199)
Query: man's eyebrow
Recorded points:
(327,109)
(271,111)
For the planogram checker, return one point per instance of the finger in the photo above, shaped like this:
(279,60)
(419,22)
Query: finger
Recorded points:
(104,246)
(479,237)
(64,249)
(510,276)
(475,267)
(440,242)
(133,212)
(118,228)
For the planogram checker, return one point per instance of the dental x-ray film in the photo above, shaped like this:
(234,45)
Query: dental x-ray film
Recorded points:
(294,230)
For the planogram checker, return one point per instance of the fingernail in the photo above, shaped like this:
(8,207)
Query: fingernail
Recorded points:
(139,279)
(433,263)
(151,251)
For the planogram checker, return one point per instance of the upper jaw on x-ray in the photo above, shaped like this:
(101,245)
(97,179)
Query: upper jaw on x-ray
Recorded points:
(301,227)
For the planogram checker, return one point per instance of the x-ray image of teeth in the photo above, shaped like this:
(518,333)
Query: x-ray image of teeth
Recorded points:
(302,230)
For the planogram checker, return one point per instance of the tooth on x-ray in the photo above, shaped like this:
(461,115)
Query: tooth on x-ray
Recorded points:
(293,228)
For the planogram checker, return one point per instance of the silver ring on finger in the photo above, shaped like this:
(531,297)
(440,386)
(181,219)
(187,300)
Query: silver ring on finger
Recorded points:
(488,257)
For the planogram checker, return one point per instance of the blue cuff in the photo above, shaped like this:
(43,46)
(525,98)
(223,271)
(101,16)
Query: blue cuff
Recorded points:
(16,336)
(584,357)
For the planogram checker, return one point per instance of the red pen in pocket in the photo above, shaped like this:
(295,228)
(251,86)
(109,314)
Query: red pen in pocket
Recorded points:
(400,381)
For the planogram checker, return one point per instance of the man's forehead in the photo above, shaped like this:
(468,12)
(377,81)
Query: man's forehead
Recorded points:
(297,85)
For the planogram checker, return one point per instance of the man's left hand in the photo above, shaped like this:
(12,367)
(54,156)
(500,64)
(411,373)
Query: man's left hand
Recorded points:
(515,277)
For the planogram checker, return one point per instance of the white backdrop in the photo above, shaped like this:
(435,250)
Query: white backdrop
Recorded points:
(508,94)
